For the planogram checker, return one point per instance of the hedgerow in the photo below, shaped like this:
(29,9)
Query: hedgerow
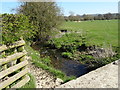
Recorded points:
(15,26)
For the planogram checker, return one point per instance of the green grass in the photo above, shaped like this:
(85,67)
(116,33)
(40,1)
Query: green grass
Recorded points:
(69,41)
(37,61)
(30,84)
(98,32)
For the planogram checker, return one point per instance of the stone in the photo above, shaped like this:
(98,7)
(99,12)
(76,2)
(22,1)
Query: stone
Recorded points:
(103,77)
(59,80)
(116,62)
(44,79)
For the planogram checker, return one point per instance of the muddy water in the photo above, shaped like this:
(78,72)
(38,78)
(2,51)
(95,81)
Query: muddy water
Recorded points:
(69,67)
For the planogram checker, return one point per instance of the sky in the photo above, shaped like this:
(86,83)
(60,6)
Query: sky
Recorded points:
(89,7)
(76,7)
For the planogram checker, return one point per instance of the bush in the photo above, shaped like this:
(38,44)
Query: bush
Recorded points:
(15,26)
(45,15)
(67,54)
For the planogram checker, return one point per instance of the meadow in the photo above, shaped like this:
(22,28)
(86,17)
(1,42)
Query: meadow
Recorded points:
(98,32)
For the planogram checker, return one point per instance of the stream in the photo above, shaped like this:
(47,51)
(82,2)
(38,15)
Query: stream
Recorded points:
(69,67)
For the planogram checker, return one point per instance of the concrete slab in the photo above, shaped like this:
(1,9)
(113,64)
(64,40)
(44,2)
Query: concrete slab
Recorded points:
(103,77)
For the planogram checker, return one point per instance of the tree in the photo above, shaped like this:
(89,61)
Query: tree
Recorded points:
(77,17)
(108,16)
(88,17)
(66,18)
(99,17)
(44,15)
(71,18)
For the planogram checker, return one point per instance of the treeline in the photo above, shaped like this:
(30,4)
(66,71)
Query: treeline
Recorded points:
(85,17)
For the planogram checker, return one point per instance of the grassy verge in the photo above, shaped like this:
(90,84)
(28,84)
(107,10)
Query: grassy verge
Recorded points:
(37,61)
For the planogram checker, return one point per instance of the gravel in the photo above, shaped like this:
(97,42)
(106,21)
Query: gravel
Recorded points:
(44,79)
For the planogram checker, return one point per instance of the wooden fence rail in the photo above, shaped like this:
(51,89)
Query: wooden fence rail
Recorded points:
(13,68)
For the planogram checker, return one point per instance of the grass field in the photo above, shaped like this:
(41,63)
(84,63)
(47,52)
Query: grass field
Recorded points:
(98,32)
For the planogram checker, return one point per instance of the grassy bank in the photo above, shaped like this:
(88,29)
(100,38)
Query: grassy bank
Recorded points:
(43,63)
(30,84)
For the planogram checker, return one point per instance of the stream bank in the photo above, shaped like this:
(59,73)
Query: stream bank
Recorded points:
(73,67)
(68,66)
(44,79)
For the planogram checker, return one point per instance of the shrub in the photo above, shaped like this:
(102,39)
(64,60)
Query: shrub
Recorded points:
(67,54)
(45,15)
(15,26)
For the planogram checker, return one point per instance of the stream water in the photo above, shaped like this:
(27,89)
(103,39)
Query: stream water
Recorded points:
(69,67)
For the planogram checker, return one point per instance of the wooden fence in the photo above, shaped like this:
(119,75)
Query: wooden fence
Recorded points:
(13,67)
